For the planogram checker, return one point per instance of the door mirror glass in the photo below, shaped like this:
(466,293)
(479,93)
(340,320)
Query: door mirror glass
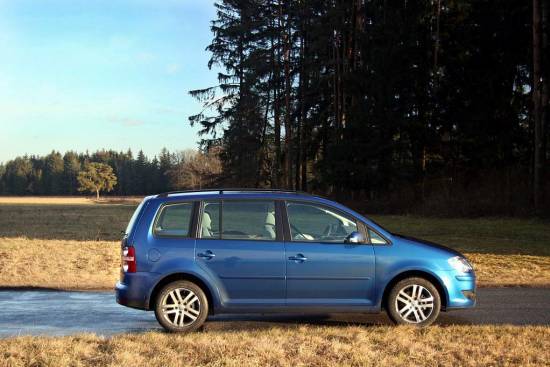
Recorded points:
(355,237)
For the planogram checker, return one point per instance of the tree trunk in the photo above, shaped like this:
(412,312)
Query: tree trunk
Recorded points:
(437,41)
(301,161)
(97,194)
(538,169)
(288,127)
(275,54)
(263,148)
(545,98)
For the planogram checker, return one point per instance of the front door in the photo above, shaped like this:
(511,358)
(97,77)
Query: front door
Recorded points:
(242,249)
(321,268)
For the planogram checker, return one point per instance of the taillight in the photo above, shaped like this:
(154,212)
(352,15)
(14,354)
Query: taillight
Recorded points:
(129,259)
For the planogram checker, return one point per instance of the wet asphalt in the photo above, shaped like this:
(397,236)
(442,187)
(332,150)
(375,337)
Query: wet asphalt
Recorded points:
(35,312)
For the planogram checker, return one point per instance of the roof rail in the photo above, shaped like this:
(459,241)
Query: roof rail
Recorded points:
(221,191)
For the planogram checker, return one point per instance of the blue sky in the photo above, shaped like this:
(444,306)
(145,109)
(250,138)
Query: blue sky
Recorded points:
(86,74)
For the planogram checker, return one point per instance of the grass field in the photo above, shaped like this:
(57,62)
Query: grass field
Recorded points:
(73,244)
(299,345)
(70,244)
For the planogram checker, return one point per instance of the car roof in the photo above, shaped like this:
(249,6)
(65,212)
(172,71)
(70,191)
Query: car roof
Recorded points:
(236,193)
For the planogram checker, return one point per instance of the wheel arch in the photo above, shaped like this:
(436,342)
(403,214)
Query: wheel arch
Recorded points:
(181,276)
(418,274)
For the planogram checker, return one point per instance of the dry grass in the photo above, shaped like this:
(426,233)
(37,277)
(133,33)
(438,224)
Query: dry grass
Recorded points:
(58,263)
(511,270)
(302,345)
(66,264)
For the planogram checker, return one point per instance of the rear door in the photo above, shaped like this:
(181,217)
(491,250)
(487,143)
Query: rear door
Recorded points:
(322,269)
(240,245)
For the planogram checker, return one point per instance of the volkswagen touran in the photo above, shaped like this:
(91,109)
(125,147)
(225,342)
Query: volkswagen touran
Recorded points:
(187,255)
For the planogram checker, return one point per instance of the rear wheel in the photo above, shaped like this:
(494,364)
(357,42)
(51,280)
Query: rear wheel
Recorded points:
(181,306)
(414,301)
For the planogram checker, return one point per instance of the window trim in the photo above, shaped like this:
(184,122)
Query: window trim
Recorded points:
(278,220)
(192,220)
(369,228)
(288,234)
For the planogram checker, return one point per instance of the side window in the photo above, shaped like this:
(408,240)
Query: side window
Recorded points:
(248,220)
(174,220)
(376,239)
(210,221)
(310,222)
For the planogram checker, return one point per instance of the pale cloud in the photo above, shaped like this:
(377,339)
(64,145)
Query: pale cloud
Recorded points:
(173,68)
(119,41)
(167,110)
(129,122)
(145,57)
(49,102)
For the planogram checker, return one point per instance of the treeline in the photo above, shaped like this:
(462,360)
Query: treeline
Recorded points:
(431,104)
(56,174)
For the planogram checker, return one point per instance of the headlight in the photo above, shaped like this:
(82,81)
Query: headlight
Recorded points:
(460,264)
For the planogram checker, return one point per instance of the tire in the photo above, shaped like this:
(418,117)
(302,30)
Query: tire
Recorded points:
(409,302)
(181,307)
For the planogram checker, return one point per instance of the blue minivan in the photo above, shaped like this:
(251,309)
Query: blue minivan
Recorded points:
(190,254)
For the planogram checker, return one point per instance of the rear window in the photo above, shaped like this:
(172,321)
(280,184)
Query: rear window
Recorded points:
(174,220)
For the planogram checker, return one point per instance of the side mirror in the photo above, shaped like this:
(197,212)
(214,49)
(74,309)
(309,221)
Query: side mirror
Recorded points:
(355,237)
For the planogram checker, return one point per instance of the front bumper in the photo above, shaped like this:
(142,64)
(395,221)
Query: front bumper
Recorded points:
(461,290)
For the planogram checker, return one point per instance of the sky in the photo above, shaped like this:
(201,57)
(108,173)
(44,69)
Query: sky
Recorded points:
(101,74)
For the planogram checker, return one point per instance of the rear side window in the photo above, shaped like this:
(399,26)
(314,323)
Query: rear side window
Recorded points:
(210,221)
(133,220)
(248,220)
(174,220)
(240,220)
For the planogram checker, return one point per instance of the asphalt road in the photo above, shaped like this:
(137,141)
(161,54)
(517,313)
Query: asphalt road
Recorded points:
(66,313)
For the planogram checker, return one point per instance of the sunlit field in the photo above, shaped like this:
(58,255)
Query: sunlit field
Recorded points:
(294,345)
(71,243)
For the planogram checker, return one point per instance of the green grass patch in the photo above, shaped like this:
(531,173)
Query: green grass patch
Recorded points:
(105,221)
(484,235)
(65,222)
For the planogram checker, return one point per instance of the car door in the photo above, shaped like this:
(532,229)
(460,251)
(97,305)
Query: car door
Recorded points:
(322,269)
(240,245)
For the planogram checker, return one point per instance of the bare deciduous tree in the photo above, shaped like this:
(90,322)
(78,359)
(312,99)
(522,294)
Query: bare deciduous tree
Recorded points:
(195,170)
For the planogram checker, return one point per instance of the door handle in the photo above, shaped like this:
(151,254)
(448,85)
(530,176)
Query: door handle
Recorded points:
(298,258)
(206,255)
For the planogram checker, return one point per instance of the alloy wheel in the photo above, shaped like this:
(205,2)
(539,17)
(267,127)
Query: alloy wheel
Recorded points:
(181,307)
(414,303)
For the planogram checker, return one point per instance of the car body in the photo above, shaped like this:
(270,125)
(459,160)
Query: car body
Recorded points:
(260,251)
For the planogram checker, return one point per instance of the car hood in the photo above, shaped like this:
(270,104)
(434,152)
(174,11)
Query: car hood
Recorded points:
(428,244)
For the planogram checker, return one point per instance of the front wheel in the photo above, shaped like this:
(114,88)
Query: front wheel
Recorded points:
(414,301)
(181,306)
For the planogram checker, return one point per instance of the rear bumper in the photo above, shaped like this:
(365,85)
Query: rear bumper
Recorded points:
(133,290)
